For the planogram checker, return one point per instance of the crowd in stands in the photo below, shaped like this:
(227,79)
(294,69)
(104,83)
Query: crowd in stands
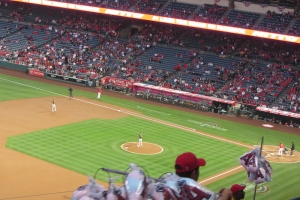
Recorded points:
(240,19)
(89,47)
(178,10)
(274,51)
(158,34)
(291,101)
(148,6)
(274,22)
(256,86)
(209,13)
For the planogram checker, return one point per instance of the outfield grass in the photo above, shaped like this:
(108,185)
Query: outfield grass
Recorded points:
(99,147)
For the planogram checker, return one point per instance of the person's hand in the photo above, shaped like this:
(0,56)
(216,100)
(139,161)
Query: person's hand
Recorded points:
(225,194)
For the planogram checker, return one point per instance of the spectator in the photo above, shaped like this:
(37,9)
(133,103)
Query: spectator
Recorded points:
(238,191)
(187,165)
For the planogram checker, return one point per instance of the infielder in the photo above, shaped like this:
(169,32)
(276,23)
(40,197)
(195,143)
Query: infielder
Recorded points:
(280,149)
(53,106)
(99,93)
(140,140)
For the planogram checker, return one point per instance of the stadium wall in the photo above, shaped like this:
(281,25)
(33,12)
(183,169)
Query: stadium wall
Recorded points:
(13,66)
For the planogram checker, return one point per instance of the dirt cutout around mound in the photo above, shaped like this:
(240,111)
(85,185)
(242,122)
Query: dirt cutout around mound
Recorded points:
(146,149)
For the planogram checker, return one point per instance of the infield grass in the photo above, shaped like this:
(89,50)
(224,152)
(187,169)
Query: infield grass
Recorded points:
(86,143)
(86,146)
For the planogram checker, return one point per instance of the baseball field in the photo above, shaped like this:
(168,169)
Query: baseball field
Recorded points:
(47,155)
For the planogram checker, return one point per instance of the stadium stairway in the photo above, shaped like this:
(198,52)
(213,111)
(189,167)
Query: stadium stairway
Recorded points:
(193,13)
(163,7)
(262,16)
(225,14)
(289,27)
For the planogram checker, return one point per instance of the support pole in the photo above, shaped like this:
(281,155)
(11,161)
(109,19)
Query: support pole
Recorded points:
(261,146)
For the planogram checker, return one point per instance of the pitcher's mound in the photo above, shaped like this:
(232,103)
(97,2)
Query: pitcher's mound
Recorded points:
(146,149)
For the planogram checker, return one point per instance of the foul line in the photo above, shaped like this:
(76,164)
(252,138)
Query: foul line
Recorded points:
(221,174)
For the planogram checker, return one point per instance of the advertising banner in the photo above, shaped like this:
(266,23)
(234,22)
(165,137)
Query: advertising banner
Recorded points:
(35,72)
(278,112)
(117,82)
(181,94)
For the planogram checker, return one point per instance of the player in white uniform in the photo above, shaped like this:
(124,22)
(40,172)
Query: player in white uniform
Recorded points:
(53,106)
(140,140)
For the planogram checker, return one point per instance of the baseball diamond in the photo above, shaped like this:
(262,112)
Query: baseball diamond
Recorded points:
(49,154)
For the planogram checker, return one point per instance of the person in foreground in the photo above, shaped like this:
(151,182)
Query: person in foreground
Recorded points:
(188,165)
(237,192)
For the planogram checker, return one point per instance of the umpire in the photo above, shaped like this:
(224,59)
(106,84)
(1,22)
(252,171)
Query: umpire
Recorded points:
(292,149)
(71,91)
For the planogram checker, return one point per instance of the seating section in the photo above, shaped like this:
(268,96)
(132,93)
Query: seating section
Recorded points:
(148,6)
(271,51)
(292,98)
(240,19)
(178,10)
(295,30)
(273,22)
(7,28)
(209,13)
(28,37)
(159,34)
(249,70)
(255,84)
(157,65)
(219,43)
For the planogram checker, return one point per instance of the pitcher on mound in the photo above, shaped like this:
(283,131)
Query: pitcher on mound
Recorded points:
(140,140)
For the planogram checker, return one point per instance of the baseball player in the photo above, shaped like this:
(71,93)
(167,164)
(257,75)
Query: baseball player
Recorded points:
(292,149)
(53,106)
(140,140)
(99,92)
(280,149)
(71,91)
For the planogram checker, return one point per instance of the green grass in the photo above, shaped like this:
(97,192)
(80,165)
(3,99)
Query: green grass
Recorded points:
(86,146)
(97,142)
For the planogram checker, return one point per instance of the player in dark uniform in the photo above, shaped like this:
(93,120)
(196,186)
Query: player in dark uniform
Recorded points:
(71,91)
(292,149)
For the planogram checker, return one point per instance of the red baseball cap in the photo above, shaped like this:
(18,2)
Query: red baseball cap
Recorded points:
(237,187)
(188,162)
